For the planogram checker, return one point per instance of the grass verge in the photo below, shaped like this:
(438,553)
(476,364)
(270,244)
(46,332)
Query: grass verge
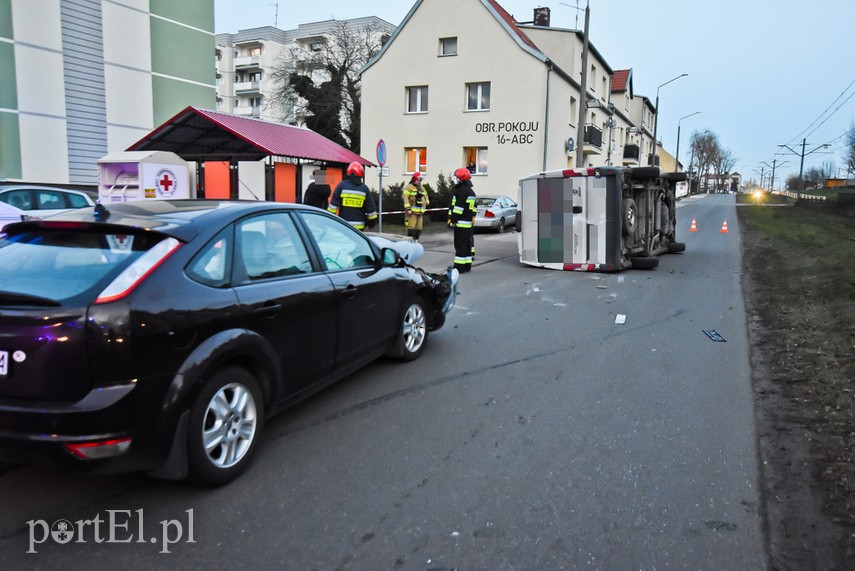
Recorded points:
(803,265)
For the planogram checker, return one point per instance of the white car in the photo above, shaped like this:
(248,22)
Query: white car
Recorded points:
(9,214)
(38,201)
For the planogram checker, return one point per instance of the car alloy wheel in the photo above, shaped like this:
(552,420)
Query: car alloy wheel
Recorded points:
(413,330)
(226,423)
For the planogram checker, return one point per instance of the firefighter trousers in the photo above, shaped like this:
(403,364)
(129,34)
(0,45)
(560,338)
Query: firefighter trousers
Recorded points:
(464,249)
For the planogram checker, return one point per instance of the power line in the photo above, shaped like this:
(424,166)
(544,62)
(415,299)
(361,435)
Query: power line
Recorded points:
(842,93)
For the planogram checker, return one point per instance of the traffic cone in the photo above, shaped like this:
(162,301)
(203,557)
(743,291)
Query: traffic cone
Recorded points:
(724,227)
(694,226)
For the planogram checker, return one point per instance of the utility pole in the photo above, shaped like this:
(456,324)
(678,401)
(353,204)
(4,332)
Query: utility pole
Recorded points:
(773,166)
(583,93)
(802,163)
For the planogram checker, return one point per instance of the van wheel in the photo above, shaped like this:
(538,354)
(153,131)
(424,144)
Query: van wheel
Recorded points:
(676,247)
(225,426)
(644,262)
(630,216)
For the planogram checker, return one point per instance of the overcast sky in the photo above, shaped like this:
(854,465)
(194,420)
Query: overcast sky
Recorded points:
(761,72)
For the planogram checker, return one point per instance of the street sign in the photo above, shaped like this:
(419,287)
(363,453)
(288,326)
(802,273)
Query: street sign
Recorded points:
(384,171)
(381,152)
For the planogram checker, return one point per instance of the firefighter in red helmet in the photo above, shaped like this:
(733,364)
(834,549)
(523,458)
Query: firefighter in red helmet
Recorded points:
(353,201)
(416,202)
(460,217)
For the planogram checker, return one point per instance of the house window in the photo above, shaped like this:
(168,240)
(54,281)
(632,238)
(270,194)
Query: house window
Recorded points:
(478,96)
(255,52)
(316,46)
(476,159)
(255,101)
(448,46)
(417,99)
(592,78)
(574,111)
(416,159)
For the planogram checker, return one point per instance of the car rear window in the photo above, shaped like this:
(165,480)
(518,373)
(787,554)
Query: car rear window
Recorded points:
(62,264)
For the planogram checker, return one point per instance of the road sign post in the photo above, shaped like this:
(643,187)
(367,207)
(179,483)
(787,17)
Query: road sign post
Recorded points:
(381,160)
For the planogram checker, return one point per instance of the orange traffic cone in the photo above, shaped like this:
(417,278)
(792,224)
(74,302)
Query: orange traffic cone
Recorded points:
(694,226)
(724,227)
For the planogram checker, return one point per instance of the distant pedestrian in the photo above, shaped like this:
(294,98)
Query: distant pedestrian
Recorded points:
(318,192)
(460,217)
(416,201)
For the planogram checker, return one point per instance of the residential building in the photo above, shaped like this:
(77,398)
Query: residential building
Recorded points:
(461,82)
(251,63)
(82,78)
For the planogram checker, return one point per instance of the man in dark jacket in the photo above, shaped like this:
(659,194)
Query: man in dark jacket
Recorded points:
(460,217)
(353,201)
(318,192)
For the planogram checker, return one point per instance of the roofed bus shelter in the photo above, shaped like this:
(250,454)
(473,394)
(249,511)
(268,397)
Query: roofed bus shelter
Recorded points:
(217,142)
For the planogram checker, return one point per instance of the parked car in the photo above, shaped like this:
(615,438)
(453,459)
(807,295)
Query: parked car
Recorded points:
(10,214)
(160,335)
(495,212)
(42,201)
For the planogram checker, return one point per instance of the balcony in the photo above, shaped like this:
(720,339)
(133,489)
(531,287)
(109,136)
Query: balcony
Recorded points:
(631,154)
(248,111)
(593,139)
(247,62)
(247,87)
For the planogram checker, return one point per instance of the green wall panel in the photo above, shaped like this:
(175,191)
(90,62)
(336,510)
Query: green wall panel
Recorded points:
(10,146)
(9,92)
(171,96)
(196,13)
(182,52)
(6,19)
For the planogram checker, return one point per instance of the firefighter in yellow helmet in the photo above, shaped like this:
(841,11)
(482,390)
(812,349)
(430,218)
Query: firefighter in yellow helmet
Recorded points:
(460,217)
(416,201)
(353,201)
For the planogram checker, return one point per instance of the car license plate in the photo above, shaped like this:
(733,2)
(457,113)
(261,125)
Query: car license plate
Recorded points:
(4,364)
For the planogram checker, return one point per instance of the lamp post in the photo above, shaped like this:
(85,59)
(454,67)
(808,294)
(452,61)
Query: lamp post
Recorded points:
(677,154)
(656,117)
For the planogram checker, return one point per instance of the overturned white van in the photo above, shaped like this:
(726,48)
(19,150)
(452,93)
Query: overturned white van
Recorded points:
(598,219)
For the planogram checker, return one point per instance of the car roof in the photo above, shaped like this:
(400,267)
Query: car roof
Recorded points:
(182,219)
(7,187)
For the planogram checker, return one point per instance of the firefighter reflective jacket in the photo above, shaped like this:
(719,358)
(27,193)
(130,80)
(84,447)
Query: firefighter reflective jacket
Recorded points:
(416,202)
(353,201)
(462,210)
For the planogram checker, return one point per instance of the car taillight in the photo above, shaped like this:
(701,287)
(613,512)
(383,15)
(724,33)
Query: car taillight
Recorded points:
(138,271)
(488,214)
(100,449)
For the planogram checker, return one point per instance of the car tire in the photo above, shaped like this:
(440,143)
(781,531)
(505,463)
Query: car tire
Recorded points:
(501,228)
(225,426)
(644,262)
(412,337)
(629,213)
(676,247)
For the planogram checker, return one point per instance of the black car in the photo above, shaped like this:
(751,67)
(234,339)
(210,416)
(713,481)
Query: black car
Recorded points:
(160,335)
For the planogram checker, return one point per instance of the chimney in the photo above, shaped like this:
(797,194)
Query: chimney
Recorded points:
(541,17)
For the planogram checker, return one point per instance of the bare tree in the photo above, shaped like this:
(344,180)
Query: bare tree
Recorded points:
(320,82)
(704,147)
(849,152)
(723,162)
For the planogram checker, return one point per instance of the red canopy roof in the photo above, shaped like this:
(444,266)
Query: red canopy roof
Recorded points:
(201,134)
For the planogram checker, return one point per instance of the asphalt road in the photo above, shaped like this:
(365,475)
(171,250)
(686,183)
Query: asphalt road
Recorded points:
(534,433)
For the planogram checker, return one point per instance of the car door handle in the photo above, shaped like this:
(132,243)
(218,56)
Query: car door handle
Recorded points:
(349,291)
(269,309)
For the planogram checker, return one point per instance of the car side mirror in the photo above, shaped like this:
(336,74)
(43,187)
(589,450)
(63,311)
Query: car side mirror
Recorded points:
(391,257)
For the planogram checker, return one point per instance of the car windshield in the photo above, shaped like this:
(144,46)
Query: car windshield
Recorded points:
(58,265)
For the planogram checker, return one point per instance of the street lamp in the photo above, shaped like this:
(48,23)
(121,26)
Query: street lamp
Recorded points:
(656,117)
(677,157)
